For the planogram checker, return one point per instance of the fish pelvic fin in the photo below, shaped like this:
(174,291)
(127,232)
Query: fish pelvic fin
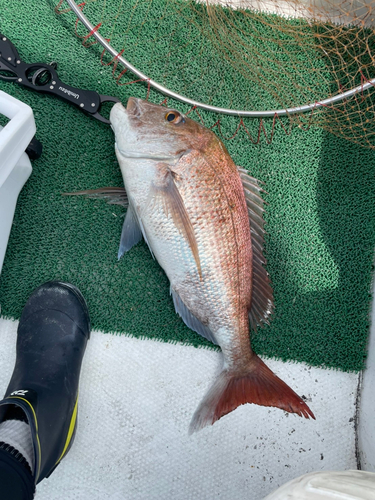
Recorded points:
(257,384)
(165,191)
(131,233)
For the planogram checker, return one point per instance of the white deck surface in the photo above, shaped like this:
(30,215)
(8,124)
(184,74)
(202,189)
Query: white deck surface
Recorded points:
(136,401)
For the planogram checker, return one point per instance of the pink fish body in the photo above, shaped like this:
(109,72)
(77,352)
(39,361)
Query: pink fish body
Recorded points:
(201,217)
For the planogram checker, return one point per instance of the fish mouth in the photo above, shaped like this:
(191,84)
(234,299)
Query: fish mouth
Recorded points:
(133,108)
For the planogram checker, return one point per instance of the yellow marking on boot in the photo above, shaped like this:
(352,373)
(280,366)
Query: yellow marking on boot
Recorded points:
(71,430)
(36,428)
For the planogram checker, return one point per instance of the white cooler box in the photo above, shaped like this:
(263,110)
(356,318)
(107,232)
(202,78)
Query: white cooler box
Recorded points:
(15,166)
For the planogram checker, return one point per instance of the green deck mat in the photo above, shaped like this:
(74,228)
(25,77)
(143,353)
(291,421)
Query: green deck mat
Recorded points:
(320,219)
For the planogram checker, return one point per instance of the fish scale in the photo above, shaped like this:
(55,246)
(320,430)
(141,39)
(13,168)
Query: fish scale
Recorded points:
(218,233)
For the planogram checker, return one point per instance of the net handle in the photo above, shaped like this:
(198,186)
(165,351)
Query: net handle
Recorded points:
(234,112)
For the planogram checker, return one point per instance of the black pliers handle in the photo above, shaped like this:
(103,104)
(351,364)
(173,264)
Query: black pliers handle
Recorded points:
(43,78)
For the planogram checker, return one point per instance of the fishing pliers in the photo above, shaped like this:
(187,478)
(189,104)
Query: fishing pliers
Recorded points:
(43,78)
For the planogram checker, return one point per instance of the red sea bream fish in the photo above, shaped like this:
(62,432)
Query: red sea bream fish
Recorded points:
(201,217)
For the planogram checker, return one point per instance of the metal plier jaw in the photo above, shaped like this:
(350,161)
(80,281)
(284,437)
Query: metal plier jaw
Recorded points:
(43,78)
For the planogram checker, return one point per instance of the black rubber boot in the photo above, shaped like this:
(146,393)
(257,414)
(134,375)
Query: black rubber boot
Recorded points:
(52,337)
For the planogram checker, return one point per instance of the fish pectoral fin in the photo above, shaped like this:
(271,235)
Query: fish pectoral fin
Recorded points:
(131,233)
(113,195)
(190,320)
(262,295)
(165,190)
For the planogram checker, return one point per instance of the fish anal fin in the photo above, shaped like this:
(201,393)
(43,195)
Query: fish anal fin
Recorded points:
(165,189)
(131,233)
(262,295)
(258,385)
(190,320)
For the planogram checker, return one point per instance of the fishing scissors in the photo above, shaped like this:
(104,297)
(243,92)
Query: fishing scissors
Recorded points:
(43,78)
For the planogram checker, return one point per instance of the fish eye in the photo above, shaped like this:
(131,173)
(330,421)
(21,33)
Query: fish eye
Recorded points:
(174,117)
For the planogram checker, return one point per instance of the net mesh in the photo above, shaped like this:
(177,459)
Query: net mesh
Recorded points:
(250,55)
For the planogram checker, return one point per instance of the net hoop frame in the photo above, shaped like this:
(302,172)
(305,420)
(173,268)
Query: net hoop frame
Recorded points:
(329,102)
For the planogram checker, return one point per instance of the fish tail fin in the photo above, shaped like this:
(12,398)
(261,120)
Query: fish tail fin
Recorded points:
(256,384)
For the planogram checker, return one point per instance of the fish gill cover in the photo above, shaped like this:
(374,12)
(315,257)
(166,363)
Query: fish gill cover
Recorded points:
(321,213)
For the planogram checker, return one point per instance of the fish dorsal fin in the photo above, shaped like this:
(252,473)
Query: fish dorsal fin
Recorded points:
(131,233)
(113,195)
(165,191)
(190,320)
(262,295)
